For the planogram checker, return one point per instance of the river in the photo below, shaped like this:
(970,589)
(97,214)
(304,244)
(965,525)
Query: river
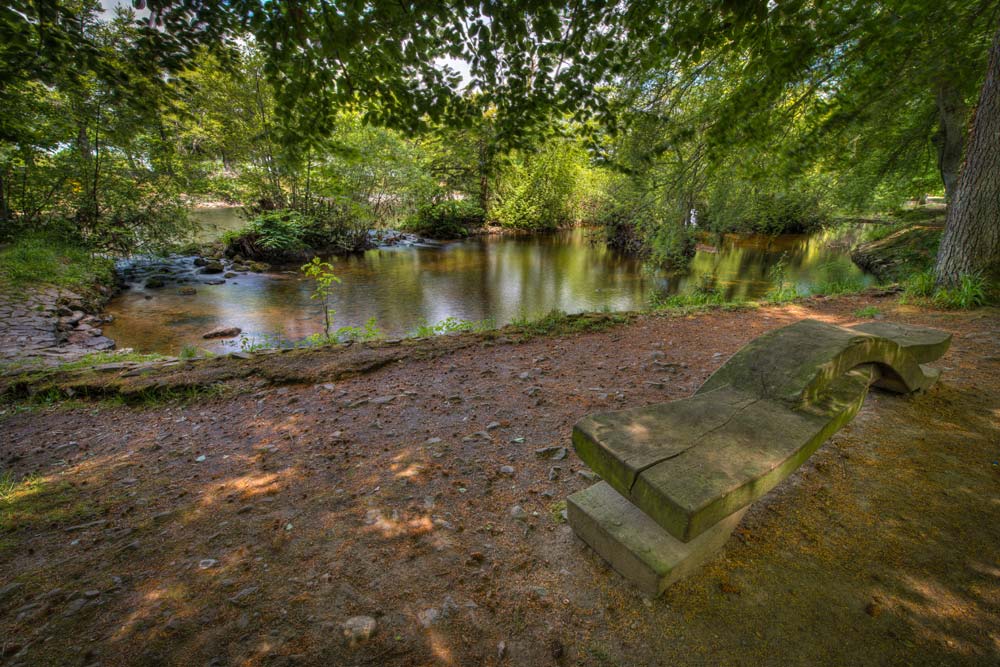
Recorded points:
(493,278)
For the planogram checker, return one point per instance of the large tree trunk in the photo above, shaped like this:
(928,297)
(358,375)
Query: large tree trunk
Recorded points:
(971,242)
(950,135)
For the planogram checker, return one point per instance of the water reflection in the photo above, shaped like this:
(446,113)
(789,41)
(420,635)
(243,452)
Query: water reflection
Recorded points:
(497,278)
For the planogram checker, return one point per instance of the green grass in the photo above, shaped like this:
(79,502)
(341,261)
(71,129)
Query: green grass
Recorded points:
(688,300)
(451,325)
(971,292)
(867,312)
(99,358)
(558,323)
(41,259)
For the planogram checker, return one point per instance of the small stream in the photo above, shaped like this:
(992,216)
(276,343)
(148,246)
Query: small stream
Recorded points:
(495,278)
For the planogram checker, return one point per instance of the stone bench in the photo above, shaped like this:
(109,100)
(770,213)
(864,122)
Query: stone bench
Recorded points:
(678,476)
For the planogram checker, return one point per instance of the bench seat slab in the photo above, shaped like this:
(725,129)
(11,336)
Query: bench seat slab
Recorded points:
(635,545)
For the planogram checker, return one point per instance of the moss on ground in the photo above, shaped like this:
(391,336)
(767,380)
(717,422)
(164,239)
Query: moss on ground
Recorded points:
(34,503)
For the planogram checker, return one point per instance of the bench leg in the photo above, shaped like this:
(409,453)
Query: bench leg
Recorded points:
(635,545)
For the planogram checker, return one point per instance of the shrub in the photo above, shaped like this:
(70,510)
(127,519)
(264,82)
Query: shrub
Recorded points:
(290,235)
(271,236)
(449,219)
(782,290)
(541,190)
(741,209)
(969,293)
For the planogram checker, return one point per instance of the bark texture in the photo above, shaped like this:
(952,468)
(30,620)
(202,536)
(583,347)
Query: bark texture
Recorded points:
(950,137)
(971,242)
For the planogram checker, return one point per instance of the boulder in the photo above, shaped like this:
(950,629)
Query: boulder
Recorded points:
(223,332)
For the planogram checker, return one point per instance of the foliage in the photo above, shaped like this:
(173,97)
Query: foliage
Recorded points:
(42,258)
(782,290)
(867,312)
(82,145)
(540,190)
(920,284)
(695,299)
(742,209)
(289,234)
(556,322)
(972,291)
(450,325)
(449,219)
(838,278)
(273,235)
(322,273)
(969,293)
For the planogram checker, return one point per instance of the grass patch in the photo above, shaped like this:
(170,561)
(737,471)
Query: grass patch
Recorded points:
(689,300)
(32,503)
(558,323)
(971,292)
(556,510)
(451,325)
(867,312)
(100,358)
(40,259)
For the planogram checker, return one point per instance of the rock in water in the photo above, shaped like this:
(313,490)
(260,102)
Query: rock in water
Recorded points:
(223,332)
(358,630)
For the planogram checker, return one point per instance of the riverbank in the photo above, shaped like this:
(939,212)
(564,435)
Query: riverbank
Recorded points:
(245,525)
(52,294)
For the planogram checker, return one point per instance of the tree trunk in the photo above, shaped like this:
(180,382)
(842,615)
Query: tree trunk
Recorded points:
(971,242)
(950,135)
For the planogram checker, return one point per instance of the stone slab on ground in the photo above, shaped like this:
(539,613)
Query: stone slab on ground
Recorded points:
(634,545)
(796,363)
(692,462)
(922,343)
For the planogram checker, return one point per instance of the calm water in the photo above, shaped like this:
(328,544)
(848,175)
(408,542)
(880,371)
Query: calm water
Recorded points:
(496,278)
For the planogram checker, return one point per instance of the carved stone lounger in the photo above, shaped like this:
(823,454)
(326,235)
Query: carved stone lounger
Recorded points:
(679,476)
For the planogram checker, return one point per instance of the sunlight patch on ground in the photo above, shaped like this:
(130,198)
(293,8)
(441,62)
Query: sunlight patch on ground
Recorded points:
(392,526)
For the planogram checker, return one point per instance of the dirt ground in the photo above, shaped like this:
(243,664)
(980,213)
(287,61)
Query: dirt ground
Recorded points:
(244,529)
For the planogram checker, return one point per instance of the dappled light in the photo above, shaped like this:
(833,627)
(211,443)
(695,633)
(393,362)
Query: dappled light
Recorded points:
(537,334)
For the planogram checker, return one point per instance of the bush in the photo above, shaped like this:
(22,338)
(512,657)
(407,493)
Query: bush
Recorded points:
(781,212)
(450,219)
(273,236)
(541,190)
(782,290)
(289,235)
(670,245)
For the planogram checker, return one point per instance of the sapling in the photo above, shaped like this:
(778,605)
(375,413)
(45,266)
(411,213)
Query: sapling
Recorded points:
(322,273)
